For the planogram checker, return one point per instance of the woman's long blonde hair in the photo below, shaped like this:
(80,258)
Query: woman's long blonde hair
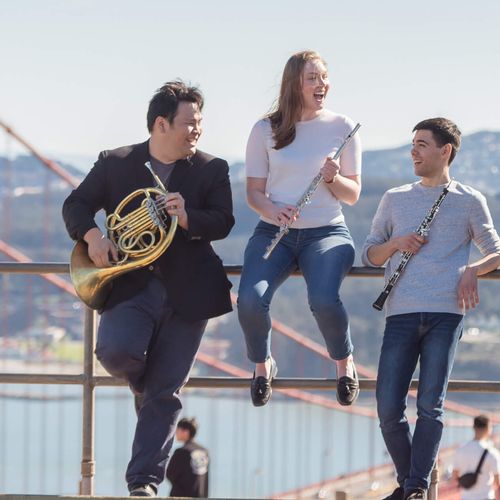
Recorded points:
(287,110)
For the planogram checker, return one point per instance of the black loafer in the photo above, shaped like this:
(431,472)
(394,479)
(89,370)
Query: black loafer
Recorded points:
(348,389)
(415,493)
(260,389)
(143,490)
(397,494)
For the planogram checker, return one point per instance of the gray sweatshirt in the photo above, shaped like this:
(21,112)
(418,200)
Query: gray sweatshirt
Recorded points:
(430,280)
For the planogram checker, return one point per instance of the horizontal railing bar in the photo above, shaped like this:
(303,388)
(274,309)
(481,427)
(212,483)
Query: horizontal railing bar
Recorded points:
(41,378)
(89,380)
(490,386)
(231,269)
(357,272)
(34,267)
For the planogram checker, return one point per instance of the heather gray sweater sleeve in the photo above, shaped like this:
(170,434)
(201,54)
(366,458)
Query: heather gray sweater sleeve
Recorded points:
(430,280)
(481,226)
(381,229)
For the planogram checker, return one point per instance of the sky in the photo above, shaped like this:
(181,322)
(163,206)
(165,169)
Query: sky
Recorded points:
(76,76)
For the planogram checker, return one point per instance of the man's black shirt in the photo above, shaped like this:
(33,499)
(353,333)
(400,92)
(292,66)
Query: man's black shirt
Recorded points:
(188,471)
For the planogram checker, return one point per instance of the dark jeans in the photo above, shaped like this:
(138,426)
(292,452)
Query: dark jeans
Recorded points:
(143,341)
(433,338)
(324,255)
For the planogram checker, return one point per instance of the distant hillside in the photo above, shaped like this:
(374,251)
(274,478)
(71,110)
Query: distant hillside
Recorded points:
(35,227)
(477,163)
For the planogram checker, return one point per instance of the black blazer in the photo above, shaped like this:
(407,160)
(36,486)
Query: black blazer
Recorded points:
(192,272)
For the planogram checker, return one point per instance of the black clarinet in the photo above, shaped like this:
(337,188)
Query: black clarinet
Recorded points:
(422,230)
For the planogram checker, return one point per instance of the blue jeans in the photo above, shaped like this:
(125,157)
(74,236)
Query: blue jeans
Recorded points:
(433,338)
(324,255)
(144,341)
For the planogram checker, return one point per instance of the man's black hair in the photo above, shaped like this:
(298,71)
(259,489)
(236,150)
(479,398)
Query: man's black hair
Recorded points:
(481,422)
(444,132)
(189,424)
(166,101)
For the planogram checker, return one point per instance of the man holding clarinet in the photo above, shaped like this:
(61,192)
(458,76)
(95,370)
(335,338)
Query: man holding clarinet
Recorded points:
(430,286)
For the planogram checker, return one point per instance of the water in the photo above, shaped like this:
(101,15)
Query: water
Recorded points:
(255,452)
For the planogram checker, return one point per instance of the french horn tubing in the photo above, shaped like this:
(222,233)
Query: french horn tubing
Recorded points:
(140,237)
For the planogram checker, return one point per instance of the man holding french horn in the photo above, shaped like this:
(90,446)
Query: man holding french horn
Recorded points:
(430,285)
(167,280)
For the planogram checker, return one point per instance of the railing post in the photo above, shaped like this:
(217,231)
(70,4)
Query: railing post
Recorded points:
(88,464)
(433,487)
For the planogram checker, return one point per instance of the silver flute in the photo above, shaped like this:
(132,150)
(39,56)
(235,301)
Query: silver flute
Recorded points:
(306,197)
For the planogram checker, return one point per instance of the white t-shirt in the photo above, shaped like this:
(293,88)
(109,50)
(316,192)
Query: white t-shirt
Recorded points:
(290,170)
(466,460)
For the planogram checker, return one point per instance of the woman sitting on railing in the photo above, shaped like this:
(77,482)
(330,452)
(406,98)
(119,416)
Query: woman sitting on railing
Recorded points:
(285,151)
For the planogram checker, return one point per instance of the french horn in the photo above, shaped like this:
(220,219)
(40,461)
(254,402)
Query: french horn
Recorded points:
(140,237)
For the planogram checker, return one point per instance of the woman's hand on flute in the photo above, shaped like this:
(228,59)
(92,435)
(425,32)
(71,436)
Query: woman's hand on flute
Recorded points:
(329,170)
(281,215)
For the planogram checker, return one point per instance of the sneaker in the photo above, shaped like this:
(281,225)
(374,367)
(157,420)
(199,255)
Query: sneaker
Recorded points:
(397,494)
(414,494)
(143,490)
(348,390)
(260,389)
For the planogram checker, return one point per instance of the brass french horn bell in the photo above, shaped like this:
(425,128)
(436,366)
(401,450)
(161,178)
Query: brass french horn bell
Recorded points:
(140,237)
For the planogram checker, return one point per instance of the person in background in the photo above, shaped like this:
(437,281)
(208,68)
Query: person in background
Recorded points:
(189,465)
(467,458)
(285,151)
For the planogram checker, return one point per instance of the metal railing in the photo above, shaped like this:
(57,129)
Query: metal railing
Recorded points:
(89,380)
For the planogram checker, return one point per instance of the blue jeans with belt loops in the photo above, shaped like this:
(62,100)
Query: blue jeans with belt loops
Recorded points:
(433,338)
(144,341)
(324,255)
